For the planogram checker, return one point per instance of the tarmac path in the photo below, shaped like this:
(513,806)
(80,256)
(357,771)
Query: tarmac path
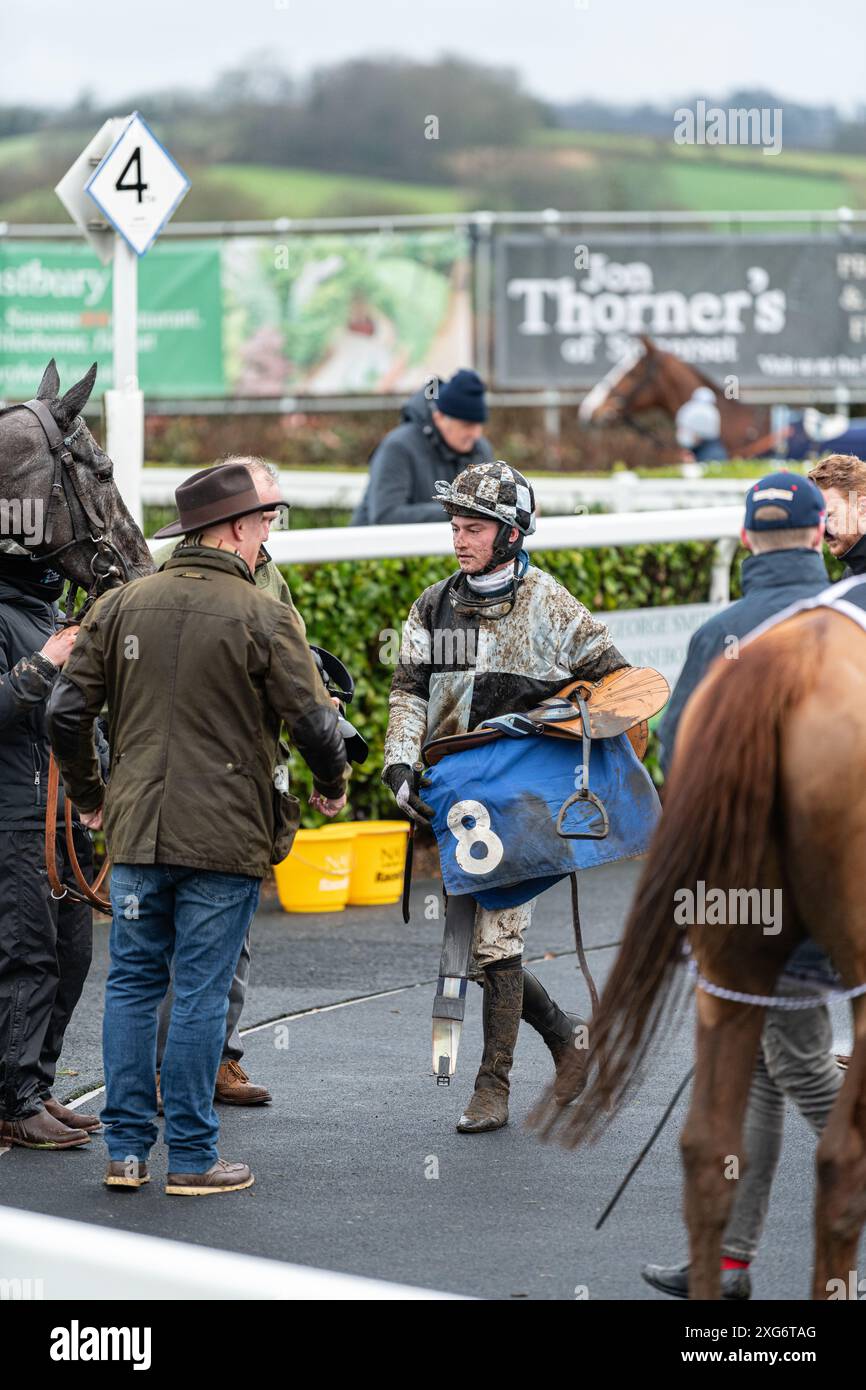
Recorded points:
(357,1162)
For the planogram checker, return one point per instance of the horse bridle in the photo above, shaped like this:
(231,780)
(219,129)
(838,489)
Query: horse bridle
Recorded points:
(107,564)
(108,568)
(624,400)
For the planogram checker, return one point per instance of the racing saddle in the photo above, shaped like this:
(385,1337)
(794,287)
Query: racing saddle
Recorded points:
(621,702)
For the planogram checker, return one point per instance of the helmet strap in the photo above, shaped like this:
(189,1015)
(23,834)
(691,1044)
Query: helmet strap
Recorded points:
(503,548)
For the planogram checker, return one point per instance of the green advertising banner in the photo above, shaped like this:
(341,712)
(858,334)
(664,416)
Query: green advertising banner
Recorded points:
(345,313)
(330,314)
(55,301)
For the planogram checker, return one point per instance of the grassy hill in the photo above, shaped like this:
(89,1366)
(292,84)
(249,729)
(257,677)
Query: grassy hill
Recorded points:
(231,191)
(726,177)
(571,169)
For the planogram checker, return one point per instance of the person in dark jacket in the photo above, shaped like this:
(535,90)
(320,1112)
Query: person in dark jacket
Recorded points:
(842,480)
(45,944)
(785,564)
(784,528)
(200,670)
(440,434)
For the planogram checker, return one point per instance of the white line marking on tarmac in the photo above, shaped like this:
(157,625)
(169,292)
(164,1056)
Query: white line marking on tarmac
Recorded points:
(286,1018)
(345,1004)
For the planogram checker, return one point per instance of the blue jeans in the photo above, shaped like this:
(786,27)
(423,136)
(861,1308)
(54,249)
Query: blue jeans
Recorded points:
(162,913)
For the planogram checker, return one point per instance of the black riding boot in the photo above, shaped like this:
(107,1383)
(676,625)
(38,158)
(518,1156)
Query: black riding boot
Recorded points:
(557,1028)
(503,998)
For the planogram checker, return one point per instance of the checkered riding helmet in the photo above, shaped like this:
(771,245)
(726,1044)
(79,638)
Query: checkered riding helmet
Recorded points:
(490,489)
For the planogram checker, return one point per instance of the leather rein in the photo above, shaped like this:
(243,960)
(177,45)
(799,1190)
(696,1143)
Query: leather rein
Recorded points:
(108,568)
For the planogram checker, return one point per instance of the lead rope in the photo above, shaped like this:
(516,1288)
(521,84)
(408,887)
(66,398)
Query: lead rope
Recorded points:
(768,1001)
(89,892)
(735,996)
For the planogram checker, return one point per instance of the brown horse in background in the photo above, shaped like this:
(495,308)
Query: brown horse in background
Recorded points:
(766,791)
(648,378)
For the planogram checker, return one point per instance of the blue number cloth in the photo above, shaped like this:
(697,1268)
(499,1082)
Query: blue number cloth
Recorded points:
(496,807)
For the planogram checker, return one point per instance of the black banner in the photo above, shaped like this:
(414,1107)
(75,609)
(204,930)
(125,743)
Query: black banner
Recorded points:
(777,310)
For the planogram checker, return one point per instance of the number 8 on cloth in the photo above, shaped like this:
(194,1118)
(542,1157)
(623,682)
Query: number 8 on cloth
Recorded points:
(469,823)
(495,807)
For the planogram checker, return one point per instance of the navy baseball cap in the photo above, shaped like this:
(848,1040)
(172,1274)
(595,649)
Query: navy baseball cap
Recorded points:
(798,497)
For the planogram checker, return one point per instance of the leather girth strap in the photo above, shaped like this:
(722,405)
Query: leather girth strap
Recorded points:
(89,892)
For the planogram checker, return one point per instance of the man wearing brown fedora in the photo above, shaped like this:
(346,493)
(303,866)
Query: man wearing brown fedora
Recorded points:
(199,669)
(233,1085)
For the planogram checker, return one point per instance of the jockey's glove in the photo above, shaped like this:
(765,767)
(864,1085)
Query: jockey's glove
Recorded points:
(399,778)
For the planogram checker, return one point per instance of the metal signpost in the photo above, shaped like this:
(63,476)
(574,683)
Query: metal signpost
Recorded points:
(136,186)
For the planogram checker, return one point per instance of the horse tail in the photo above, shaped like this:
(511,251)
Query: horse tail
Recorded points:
(718,816)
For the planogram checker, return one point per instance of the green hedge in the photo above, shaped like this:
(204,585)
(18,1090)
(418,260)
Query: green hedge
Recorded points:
(349,605)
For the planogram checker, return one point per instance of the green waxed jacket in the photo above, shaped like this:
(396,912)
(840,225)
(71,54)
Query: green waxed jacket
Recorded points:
(267,575)
(199,668)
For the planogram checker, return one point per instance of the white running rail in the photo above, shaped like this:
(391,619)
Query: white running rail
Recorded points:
(622,492)
(52,1258)
(331,543)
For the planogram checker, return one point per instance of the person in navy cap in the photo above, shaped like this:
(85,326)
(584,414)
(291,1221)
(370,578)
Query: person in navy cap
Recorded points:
(440,433)
(784,531)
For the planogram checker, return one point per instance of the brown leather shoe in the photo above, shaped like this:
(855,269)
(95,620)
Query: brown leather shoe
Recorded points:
(41,1131)
(126,1172)
(73,1119)
(222,1177)
(233,1087)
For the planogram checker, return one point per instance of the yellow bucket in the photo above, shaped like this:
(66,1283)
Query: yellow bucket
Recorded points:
(315,876)
(380,855)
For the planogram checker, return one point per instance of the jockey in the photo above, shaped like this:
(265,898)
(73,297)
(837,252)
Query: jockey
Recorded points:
(699,426)
(495,638)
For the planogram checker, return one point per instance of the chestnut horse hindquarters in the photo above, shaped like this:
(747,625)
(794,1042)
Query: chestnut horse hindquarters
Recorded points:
(765,786)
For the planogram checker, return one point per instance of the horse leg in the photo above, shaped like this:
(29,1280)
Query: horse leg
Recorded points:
(840,1207)
(727,1043)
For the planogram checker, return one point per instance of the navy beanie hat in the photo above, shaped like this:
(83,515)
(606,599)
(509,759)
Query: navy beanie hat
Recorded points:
(463,397)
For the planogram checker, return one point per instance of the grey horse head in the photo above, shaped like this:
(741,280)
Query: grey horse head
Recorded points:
(26,473)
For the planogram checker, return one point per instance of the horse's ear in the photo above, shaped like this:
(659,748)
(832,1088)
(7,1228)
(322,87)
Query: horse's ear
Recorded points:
(49,386)
(76,398)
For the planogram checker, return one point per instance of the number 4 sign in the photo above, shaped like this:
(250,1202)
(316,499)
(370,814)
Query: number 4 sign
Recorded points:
(138,185)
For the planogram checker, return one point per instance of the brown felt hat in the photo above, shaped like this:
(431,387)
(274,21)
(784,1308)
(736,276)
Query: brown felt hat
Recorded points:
(215,494)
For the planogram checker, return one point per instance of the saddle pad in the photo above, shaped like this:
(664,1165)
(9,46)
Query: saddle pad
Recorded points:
(495,807)
(847,597)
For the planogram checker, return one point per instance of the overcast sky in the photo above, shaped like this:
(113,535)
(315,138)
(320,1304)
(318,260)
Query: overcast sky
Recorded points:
(616,50)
